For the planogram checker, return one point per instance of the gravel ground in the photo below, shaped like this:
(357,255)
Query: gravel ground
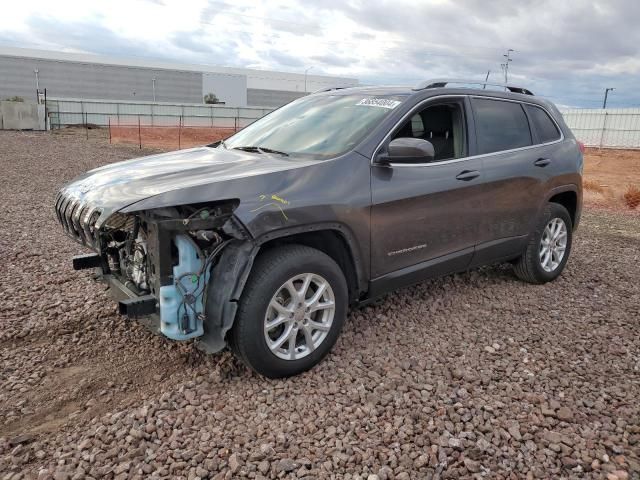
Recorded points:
(473,375)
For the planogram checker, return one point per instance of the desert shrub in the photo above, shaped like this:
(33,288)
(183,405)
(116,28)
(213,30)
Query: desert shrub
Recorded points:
(15,99)
(632,196)
(593,186)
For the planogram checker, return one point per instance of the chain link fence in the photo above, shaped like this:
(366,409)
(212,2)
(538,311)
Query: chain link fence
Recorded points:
(174,125)
(163,125)
(610,128)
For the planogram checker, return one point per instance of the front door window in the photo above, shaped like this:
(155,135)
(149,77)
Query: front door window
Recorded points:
(443,126)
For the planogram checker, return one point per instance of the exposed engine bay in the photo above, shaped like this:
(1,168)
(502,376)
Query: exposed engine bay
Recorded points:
(166,256)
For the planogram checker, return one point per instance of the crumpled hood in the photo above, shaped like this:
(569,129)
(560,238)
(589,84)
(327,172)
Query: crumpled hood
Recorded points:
(111,188)
(120,184)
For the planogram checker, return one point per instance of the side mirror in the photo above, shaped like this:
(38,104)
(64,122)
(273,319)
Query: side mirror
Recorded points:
(409,150)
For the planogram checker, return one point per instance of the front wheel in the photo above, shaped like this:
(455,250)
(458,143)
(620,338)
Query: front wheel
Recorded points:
(549,247)
(291,312)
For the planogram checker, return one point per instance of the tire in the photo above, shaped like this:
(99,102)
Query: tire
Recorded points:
(530,266)
(267,286)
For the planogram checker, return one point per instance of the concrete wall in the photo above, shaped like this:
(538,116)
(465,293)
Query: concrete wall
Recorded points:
(21,116)
(229,88)
(85,80)
(258,97)
(86,76)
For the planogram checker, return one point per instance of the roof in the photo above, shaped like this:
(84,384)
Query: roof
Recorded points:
(437,90)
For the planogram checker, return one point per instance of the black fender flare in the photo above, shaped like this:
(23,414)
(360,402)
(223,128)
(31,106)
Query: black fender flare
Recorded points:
(570,187)
(226,282)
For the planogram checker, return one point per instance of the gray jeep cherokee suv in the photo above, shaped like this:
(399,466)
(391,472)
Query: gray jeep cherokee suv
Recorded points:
(261,242)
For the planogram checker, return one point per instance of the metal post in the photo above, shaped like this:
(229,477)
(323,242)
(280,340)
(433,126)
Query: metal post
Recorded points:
(305,78)
(81,111)
(86,127)
(508,59)
(139,134)
(606,94)
(109,130)
(604,127)
(179,131)
(46,112)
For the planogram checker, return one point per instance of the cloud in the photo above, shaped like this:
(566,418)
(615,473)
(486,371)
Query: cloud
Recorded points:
(197,42)
(87,37)
(568,51)
(334,60)
(285,59)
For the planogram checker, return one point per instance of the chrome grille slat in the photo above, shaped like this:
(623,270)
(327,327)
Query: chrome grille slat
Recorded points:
(63,213)
(58,200)
(76,217)
(70,212)
(63,206)
(84,221)
(77,221)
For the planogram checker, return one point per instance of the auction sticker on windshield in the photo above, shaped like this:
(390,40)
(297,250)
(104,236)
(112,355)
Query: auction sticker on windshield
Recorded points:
(379,102)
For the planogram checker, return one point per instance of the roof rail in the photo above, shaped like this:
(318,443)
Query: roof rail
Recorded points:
(443,82)
(328,89)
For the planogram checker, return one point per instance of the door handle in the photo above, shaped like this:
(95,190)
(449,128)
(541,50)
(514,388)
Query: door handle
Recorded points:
(467,175)
(542,162)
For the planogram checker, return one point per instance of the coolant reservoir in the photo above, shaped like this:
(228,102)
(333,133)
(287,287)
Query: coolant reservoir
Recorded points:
(181,309)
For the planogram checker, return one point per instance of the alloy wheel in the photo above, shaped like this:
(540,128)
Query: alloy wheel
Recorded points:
(299,316)
(553,244)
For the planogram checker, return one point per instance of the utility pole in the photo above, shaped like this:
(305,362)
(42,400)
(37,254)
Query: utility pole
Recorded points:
(606,94)
(486,79)
(305,78)
(505,65)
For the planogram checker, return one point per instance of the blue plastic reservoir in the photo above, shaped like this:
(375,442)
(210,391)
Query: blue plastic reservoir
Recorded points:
(178,320)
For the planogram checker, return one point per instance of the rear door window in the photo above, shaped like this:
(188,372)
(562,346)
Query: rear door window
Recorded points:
(500,125)
(545,127)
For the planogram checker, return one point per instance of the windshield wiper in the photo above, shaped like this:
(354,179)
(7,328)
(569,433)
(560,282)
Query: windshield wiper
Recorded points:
(261,150)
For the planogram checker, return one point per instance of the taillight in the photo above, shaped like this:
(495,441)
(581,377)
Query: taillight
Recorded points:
(581,147)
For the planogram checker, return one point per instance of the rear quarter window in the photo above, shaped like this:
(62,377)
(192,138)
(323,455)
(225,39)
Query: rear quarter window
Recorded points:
(545,127)
(500,125)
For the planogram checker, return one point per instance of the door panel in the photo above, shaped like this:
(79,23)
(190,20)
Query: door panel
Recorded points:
(422,212)
(515,171)
(514,189)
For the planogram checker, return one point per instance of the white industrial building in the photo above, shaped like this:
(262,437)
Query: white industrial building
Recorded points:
(85,76)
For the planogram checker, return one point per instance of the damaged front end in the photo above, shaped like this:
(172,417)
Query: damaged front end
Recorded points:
(179,268)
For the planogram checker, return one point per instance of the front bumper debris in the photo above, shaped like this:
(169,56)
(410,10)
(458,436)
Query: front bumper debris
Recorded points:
(133,305)
(89,260)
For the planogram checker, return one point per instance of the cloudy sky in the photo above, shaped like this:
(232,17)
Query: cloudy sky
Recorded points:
(569,51)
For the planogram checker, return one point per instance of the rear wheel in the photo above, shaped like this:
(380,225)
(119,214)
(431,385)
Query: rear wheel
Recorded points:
(549,247)
(291,311)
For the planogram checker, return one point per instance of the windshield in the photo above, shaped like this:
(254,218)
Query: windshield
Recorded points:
(317,126)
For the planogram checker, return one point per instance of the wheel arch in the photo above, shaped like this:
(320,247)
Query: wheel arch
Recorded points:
(568,197)
(333,239)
